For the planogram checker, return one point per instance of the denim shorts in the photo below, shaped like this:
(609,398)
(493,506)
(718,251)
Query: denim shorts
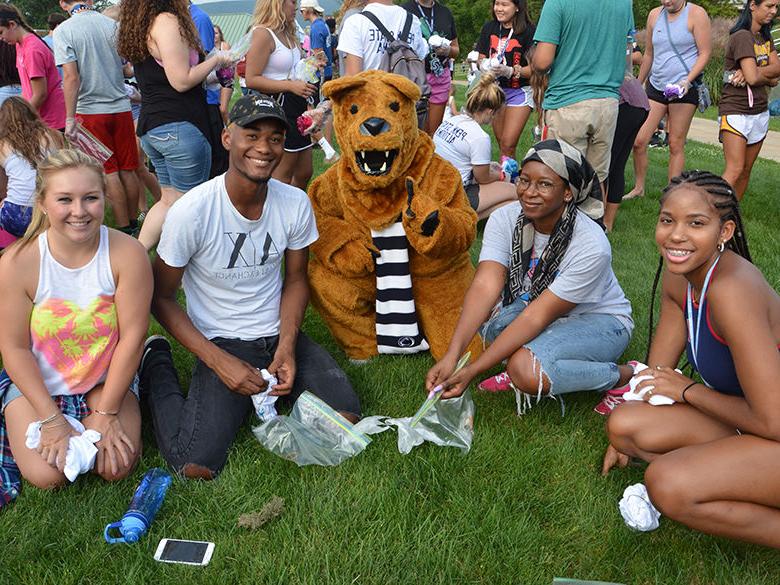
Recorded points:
(180,153)
(577,352)
(12,393)
(15,218)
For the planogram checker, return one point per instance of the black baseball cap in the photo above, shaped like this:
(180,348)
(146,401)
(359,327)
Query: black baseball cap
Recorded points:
(252,108)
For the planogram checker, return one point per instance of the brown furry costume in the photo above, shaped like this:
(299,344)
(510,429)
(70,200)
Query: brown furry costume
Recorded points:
(375,122)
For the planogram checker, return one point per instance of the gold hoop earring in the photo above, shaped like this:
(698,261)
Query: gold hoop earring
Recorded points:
(721,247)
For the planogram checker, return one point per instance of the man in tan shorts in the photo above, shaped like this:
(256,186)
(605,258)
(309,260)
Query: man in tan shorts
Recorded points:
(583,45)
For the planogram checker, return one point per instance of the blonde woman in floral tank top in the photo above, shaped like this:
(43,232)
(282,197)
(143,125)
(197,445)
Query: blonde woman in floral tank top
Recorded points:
(75,312)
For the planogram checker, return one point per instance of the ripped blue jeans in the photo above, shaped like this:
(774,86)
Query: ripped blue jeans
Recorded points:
(576,352)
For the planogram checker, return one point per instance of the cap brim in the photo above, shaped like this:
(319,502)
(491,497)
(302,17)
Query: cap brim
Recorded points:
(245,121)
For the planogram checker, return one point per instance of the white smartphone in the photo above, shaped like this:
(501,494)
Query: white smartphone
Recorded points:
(188,552)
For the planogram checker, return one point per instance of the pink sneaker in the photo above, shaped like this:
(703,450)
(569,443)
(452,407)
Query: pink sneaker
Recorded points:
(609,403)
(498,383)
(613,398)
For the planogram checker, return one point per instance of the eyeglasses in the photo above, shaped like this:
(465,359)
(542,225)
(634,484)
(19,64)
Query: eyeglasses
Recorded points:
(543,186)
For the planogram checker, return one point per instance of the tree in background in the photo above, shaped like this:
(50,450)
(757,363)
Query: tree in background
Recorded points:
(36,11)
(470,15)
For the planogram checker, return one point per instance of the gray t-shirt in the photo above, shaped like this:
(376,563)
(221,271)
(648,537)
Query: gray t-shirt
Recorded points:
(89,39)
(585,275)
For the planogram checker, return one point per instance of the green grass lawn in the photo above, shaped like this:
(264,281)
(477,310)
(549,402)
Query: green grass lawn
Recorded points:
(525,505)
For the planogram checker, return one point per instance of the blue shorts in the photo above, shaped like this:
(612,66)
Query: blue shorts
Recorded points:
(15,218)
(12,392)
(578,352)
(180,153)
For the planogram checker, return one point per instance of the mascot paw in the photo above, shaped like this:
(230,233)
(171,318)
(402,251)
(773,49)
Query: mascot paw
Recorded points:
(356,258)
(418,205)
(430,224)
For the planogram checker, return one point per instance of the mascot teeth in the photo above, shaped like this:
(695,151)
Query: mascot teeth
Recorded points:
(375,162)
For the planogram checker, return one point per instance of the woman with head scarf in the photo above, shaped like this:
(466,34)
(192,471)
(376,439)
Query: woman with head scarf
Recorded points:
(559,317)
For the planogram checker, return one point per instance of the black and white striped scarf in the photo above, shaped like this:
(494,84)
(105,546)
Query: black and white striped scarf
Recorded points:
(397,330)
(569,164)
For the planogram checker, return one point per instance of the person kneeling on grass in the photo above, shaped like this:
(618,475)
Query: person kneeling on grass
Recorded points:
(75,310)
(461,141)
(225,241)
(564,319)
(713,454)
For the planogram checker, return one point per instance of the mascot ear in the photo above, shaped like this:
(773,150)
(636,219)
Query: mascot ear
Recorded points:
(333,89)
(404,85)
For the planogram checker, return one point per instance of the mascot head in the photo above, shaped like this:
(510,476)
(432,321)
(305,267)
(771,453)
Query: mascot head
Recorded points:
(376,125)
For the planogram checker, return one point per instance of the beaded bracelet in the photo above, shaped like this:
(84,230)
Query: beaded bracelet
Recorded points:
(105,412)
(686,389)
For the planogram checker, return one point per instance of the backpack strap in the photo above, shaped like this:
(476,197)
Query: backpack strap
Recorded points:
(407,28)
(377,23)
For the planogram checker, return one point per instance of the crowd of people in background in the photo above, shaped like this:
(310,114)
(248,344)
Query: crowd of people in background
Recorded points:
(545,298)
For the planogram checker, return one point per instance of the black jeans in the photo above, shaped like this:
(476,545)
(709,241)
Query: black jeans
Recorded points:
(630,120)
(201,427)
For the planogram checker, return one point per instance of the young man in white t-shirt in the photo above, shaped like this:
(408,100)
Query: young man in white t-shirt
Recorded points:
(225,241)
(363,43)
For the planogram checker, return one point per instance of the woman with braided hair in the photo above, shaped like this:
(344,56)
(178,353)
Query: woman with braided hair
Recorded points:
(563,319)
(713,453)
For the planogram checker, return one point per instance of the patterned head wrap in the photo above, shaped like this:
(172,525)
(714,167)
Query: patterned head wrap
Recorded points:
(570,165)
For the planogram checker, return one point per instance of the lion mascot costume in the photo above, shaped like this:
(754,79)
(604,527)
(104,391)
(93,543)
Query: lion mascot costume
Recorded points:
(391,266)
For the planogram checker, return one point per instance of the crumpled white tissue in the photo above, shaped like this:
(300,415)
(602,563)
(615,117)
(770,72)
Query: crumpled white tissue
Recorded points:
(637,510)
(80,457)
(633,394)
(264,403)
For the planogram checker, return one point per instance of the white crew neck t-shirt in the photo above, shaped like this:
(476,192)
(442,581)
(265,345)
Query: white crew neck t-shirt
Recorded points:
(232,265)
(360,37)
(585,276)
(463,142)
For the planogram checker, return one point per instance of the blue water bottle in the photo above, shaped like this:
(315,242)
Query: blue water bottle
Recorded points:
(143,508)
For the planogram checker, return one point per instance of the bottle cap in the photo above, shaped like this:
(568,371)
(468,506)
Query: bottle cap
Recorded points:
(132,527)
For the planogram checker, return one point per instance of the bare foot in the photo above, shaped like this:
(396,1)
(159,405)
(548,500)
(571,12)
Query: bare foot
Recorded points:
(634,194)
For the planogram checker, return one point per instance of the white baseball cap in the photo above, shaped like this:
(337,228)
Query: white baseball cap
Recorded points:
(313,4)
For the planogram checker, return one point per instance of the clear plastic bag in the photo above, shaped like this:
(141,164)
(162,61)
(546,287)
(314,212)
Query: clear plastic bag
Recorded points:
(448,423)
(307,69)
(87,143)
(313,434)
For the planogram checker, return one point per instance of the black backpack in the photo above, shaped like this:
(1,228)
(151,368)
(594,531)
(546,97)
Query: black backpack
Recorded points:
(401,59)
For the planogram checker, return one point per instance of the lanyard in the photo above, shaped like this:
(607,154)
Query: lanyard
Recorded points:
(501,49)
(429,21)
(694,336)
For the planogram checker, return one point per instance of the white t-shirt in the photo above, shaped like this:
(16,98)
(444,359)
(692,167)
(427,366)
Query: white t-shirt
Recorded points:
(361,38)
(585,275)
(463,142)
(232,265)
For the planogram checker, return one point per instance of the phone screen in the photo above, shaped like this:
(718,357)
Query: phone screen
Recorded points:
(183,551)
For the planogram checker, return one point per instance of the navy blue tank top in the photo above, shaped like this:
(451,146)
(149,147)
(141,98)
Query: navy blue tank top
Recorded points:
(714,361)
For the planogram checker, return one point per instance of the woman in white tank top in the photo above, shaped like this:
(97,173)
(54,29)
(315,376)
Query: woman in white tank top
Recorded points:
(75,312)
(24,140)
(270,64)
